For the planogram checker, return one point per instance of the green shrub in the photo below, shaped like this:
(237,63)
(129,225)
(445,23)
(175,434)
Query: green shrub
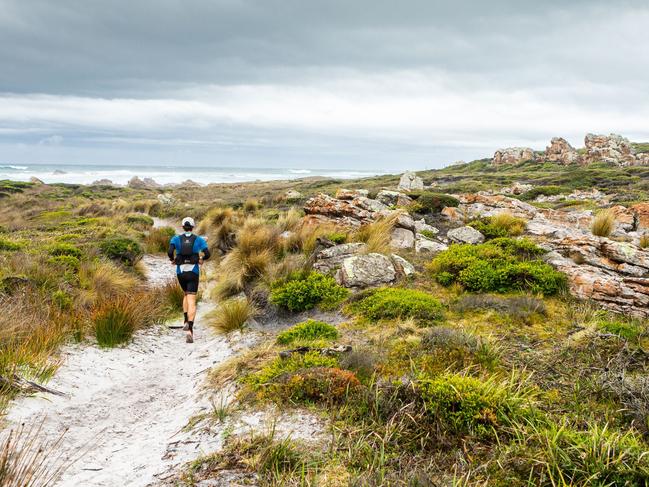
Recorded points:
(626,330)
(337,237)
(6,244)
(306,291)
(295,362)
(467,405)
(428,234)
(306,331)
(66,262)
(139,220)
(65,249)
(500,265)
(62,300)
(392,303)
(124,249)
(428,202)
(328,384)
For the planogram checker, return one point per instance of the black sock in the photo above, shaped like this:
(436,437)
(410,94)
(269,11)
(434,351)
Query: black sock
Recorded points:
(186,319)
(191,326)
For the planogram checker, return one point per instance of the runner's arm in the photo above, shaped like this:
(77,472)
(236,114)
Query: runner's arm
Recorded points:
(170,252)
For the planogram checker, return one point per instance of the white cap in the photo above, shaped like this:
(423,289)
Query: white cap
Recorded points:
(188,220)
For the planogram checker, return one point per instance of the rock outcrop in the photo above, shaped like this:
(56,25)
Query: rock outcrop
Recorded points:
(368,270)
(331,259)
(410,181)
(146,183)
(513,155)
(465,235)
(393,198)
(562,152)
(609,148)
(615,274)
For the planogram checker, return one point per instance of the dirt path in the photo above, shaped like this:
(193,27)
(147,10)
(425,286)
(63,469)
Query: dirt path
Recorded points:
(127,407)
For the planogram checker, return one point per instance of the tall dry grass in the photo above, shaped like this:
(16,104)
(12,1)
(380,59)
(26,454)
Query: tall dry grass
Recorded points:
(231,315)
(377,235)
(26,460)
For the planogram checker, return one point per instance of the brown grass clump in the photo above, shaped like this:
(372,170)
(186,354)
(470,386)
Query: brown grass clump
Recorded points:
(103,280)
(289,221)
(214,218)
(644,241)
(27,461)
(377,235)
(158,239)
(251,205)
(232,315)
(603,223)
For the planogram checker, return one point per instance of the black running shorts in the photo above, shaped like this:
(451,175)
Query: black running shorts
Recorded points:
(188,282)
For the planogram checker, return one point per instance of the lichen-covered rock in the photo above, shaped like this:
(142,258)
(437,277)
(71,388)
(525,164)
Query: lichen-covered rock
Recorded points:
(292,195)
(368,270)
(513,155)
(330,259)
(410,181)
(562,152)
(369,204)
(402,238)
(641,211)
(35,180)
(333,208)
(465,235)
(517,188)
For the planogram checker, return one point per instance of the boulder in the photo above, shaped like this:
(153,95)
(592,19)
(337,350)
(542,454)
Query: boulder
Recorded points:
(350,194)
(330,259)
(423,244)
(625,218)
(402,266)
(465,235)
(393,198)
(150,183)
(517,188)
(562,152)
(35,180)
(146,183)
(402,238)
(410,181)
(343,222)
(609,148)
(513,155)
(369,204)
(361,271)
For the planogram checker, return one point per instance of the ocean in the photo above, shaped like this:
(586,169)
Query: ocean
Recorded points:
(121,173)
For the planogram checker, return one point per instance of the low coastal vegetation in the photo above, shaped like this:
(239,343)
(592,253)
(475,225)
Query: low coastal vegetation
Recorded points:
(475,367)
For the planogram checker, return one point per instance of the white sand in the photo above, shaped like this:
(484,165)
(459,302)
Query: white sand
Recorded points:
(126,406)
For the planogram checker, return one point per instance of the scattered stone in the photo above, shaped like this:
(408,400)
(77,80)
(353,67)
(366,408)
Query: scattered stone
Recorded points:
(410,181)
(562,152)
(517,188)
(368,270)
(513,155)
(465,235)
(402,238)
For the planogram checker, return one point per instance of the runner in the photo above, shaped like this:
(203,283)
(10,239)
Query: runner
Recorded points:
(187,252)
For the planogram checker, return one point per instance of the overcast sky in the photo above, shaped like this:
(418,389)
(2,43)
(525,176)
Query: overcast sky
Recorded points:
(332,83)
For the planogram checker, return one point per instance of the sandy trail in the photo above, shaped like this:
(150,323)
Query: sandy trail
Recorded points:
(127,406)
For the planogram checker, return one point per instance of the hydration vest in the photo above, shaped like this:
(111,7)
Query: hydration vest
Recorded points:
(185,254)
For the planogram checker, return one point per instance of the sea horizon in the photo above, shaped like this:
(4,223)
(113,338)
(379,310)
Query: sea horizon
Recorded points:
(120,174)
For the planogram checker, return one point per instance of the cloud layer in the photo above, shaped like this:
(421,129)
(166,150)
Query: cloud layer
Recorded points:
(421,83)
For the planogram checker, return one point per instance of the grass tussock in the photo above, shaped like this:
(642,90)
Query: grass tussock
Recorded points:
(232,315)
(603,223)
(377,235)
(157,240)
